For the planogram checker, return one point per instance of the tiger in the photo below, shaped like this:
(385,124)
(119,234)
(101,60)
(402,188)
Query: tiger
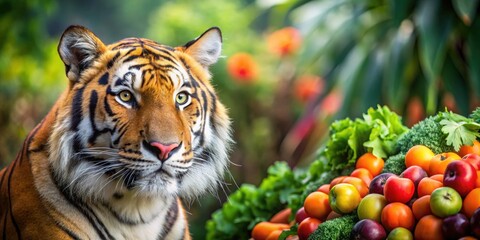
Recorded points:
(138,131)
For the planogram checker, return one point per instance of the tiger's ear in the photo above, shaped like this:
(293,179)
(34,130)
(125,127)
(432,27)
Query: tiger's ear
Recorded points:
(79,48)
(206,49)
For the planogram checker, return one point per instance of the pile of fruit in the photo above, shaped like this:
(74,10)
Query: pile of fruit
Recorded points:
(373,178)
(436,197)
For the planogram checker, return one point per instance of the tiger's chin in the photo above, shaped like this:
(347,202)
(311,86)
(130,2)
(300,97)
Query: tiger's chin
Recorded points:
(103,189)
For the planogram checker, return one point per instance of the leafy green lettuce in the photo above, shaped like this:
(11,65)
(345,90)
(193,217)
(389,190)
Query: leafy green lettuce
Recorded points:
(377,132)
(250,205)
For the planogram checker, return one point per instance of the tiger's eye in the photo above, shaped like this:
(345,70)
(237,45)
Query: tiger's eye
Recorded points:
(181,98)
(125,96)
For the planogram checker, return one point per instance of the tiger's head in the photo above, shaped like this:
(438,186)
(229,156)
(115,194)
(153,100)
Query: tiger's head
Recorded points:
(138,118)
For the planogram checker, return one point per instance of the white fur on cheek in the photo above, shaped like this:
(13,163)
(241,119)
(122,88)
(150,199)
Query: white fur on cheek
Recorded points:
(206,174)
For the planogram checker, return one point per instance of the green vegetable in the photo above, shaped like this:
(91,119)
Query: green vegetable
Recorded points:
(395,164)
(475,115)
(337,228)
(459,129)
(377,132)
(443,132)
(428,132)
(250,205)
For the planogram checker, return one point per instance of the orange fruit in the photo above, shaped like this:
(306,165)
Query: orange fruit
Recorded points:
(439,162)
(360,185)
(466,149)
(397,215)
(363,174)
(429,227)
(438,177)
(427,185)
(325,188)
(372,163)
(419,155)
(316,205)
(471,202)
(421,207)
(263,229)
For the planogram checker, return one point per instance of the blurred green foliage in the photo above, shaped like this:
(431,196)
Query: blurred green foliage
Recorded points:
(388,52)
(29,71)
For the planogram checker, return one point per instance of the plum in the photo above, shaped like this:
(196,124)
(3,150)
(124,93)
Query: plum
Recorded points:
(377,183)
(455,226)
(368,229)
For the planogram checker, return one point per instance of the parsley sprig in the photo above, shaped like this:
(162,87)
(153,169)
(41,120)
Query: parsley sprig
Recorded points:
(459,129)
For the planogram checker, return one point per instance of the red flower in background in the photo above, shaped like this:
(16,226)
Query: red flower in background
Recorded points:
(242,66)
(284,41)
(308,87)
(449,101)
(415,111)
(332,102)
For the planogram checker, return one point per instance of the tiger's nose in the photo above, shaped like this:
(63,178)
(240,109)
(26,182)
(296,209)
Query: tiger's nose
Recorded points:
(164,150)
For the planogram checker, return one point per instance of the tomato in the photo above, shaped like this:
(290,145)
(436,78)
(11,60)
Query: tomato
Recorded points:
(466,149)
(372,163)
(397,215)
(307,227)
(439,162)
(282,217)
(363,174)
(471,202)
(419,155)
(421,207)
(358,183)
(263,229)
(316,205)
(429,227)
(427,185)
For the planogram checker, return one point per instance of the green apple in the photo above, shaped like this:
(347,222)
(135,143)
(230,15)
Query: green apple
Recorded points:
(445,201)
(344,198)
(371,206)
(400,233)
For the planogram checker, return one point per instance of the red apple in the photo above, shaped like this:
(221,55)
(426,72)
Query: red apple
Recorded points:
(461,176)
(300,215)
(414,173)
(378,182)
(398,189)
(473,159)
(307,227)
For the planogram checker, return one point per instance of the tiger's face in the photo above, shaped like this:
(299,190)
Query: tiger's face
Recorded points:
(139,118)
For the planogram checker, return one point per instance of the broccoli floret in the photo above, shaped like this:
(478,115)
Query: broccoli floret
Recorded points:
(427,132)
(395,164)
(337,228)
(475,115)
